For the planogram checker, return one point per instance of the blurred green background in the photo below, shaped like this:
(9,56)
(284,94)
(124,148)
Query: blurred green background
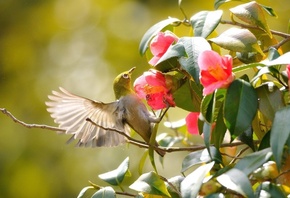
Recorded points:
(80,45)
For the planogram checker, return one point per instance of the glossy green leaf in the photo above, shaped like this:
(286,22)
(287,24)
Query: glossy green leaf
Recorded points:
(270,101)
(191,184)
(267,189)
(205,22)
(193,47)
(84,191)
(252,161)
(150,183)
(245,67)
(116,176)
(238,40)
(188,97)
(206,107)
(280,133)
(201,156)
(107,192)
(219,130)
(252,13)
(151,32)
(237,181)
(240,107)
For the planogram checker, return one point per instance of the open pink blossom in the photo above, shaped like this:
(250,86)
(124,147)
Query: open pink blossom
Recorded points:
(191,121)
(152,87)
(160,44)
(215,71)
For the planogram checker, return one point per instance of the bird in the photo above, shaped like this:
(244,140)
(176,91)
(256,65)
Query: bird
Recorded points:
(108,120)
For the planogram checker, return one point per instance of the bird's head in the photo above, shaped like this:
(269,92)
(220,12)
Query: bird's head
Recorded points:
(122,84)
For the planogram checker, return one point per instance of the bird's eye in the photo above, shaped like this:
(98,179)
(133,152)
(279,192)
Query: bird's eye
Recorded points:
(125,76)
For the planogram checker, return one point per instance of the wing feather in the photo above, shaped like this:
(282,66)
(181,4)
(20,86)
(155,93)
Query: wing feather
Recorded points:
(71,111)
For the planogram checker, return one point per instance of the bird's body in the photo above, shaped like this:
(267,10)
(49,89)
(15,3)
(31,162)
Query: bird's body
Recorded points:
(71,113)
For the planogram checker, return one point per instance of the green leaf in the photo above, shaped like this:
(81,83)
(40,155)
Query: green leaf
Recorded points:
(107,192)
(188,97)
(267,189)
(252,13)
(284,59)
(150,183)
(218,3)
(153,31)
(219,130)
(280,133)
(238,40)
(84,191)
(201,156)
(193,47)
(251,162)
(116,176)
(191,184)
(176,50)
(204,22)
(269,10)
(270,101)
(240,107)
(206,107)
(237,181)
(173,186)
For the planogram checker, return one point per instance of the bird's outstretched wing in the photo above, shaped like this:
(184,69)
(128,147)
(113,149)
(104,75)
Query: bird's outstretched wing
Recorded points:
(71,111)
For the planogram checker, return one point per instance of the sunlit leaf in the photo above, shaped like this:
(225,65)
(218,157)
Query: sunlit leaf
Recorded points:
(252,161)
(116,176)
(253,14)
(238,40)
(270,101)
(283,59)
(240,107)
(267,189)
(152,32)
(204,22)
(201,156)
(84,191)
(193,47)
(218,3)
(173,186)
(237,181)
(280,133)
(150,183)
(107,192)
(190,186)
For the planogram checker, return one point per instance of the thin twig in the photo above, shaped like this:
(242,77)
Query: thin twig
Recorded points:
(129,139)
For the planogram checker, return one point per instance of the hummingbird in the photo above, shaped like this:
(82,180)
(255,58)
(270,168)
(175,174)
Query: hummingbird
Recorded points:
(72,112)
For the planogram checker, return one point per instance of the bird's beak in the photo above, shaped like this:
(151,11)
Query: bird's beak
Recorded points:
(131,70)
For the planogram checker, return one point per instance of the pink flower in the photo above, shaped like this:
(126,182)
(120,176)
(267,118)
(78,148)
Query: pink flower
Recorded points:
(288,74)
(152,87)
(191,121)
(160,44)
(215,71)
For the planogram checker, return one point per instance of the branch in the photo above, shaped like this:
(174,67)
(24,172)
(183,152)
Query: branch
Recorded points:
(40,126)
(129,139)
